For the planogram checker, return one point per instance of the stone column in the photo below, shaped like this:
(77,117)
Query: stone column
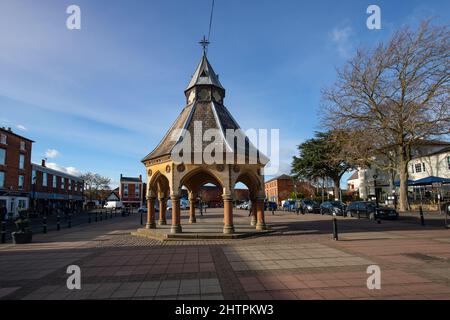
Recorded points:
(151,213)
(162,211)
(228,227)
(192,218)
(254,213)
(261,223)
(176,215)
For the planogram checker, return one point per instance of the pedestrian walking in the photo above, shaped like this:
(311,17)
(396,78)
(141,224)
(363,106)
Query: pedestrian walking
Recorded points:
(250,208)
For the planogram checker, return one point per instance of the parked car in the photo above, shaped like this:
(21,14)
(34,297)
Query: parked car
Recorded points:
(142,209)
(370,211)
(309,206)
(270,206)
(244,206)
(333,208)
(184,204)
(288,205)
(113,205)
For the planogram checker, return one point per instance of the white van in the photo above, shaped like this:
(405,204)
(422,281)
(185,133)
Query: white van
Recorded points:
(184,204)
(113,205)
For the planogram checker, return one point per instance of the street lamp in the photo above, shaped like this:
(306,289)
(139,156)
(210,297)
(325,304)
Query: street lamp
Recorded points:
(375,186)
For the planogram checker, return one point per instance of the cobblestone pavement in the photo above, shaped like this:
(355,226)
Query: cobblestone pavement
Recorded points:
(299,260)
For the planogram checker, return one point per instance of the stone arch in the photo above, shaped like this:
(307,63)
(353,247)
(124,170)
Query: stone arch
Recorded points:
(254,182)
(198,177)
(159,184)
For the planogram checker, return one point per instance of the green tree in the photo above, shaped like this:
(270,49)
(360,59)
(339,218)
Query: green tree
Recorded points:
(321,157)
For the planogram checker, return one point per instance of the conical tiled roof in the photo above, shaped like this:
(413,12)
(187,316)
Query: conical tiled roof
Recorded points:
(204,75)
(211,115)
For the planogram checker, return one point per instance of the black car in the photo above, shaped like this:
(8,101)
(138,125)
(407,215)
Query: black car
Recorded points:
(309,206)
(333,208)
(370,211)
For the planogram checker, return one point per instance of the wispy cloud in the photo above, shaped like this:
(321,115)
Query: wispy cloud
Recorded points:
(69,170)
(52,153)
(21,127)
(340,36)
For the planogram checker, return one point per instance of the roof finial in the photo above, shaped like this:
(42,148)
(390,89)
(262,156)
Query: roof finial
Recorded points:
(204,43)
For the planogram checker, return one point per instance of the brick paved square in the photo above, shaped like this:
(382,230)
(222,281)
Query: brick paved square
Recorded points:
(414,264)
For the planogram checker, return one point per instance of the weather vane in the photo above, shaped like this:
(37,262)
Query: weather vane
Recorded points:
(204,43)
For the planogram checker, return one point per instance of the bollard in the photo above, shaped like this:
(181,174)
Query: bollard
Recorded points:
(69,221)
(44,224)
(422,219)
(359,215)
(96,216)
(111,214)
(142,218)
(335,230)
(3,231)
(273,212)
(101,215)
(106,214)
(89,217)
(58,222)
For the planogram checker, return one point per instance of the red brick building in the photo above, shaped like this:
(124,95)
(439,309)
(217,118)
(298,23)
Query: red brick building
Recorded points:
(55,189)
(282,187)
(15,170)
(132,191)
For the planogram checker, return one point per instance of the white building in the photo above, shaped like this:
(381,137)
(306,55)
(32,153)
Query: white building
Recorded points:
(434,164)
(431,158)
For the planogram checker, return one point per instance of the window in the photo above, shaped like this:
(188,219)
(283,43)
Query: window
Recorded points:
(21,182)
(125,190)
(44,179)
(76,186)
(423,167)
(2,179)
(418,167)
(2,156)
(3,138)
(22,162)
(33,177)
(54,182)
(69,184)
(62,183)
(136,190)
(22,145)
(448,163)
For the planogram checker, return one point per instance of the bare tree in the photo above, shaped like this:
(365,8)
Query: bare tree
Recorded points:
(389,99)
(94,183)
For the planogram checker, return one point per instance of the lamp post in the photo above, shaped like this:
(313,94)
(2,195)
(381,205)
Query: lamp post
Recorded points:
(375,187)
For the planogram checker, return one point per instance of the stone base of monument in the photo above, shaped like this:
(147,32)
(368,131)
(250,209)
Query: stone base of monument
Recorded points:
(200,232)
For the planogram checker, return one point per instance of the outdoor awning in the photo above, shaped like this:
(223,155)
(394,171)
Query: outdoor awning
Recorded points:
(397,183)
(428,181)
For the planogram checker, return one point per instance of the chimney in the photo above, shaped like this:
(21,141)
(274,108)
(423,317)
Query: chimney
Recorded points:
(140,177)
(43,163)
(9,129)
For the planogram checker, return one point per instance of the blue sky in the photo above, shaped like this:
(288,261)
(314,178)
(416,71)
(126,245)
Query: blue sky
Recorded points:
(102,97)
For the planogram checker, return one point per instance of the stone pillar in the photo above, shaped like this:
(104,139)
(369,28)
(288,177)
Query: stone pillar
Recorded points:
(162,211)
(261,223)
(176,215)
(228,227)
(254,213)
(151,213)
(192,218)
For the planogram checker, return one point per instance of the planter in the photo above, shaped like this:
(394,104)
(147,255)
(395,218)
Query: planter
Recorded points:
(22,237)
